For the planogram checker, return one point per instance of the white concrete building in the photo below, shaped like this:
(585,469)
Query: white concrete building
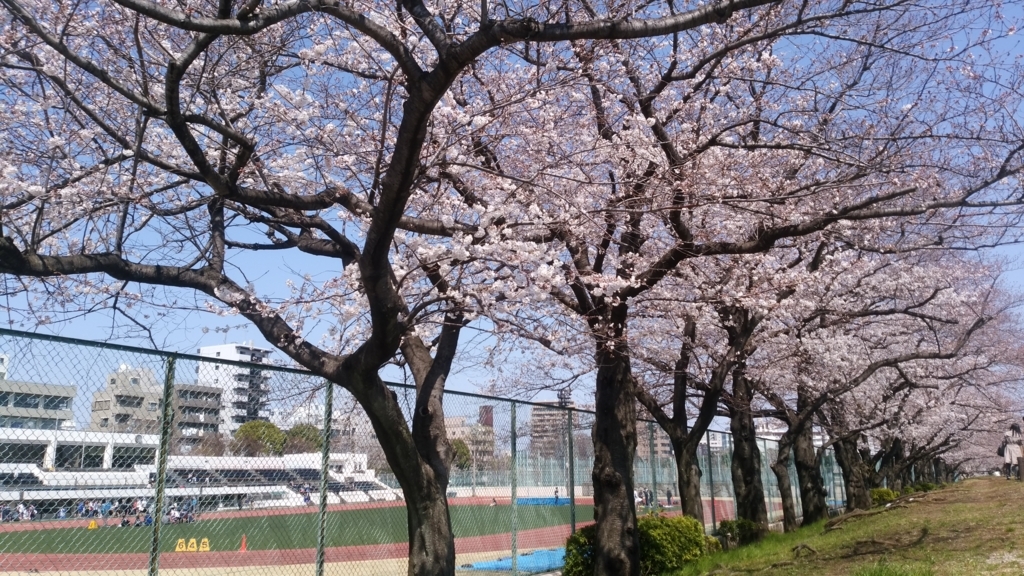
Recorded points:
(4,361)
(246,389)
(77,449)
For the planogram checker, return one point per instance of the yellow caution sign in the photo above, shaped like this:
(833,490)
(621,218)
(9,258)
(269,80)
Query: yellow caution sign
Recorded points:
(92,525)
(192,545)
(204,545)
(180,546)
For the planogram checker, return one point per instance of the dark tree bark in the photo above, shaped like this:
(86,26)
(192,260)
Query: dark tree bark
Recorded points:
(781,469)
(687,465)
(855,480)
(808,471)
(746,455)
(614,435)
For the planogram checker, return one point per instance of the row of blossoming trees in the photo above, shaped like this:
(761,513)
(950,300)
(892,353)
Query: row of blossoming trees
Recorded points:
(748,208)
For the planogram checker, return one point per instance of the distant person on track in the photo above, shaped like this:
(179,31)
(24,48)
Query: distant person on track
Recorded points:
(1012,441)
(556,495)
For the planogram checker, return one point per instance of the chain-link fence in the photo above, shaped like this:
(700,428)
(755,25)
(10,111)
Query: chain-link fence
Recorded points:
(117,458)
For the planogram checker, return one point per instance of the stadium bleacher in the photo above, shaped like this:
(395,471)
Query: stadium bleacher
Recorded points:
(277,476)
(19,479)
(307,474)
(239,477)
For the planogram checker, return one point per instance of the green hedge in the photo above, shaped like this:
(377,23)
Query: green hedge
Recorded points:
(882,496)
(666,545)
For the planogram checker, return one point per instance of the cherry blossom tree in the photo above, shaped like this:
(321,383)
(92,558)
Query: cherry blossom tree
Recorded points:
(869,336)
(447,160)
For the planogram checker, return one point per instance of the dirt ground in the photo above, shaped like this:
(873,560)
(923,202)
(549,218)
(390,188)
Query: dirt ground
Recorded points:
(387,567)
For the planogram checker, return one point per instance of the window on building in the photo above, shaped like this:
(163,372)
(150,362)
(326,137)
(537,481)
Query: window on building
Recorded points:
(26,401)
(112,381)
(133,381)
(129,401)
(122,418)
(100,405)
(55,402)
(152,406)
(218,354)
(16,453)
(104,422)
(5,398)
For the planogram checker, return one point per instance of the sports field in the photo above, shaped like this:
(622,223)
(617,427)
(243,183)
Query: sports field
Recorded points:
(357,527)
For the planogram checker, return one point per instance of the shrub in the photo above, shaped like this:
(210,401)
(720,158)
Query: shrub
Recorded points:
(925,486)
(740,531)
(909,490)
(882,496)
(712,544)
(666,545)
(579,552)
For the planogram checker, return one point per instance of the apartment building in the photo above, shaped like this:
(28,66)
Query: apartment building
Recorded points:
(30,405)
(132,399)
(245,390)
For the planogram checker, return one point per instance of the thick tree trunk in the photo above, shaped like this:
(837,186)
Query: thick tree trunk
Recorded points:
(424,480)
(431,540)
(614,434)
(781,469)
(808,471)
(858,495)
(688,469)
(746,456)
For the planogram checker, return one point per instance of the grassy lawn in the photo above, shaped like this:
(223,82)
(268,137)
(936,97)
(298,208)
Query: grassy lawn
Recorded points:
(973,527)
(344,528)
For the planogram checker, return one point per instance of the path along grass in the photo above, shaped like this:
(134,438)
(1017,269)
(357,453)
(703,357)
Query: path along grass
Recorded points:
(280,532)
(973,527)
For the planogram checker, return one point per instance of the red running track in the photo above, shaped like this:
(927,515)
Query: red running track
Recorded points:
(548,537)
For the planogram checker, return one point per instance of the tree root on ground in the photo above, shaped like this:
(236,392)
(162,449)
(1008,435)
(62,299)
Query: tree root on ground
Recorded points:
(804,548)
(835,523)
(874,546)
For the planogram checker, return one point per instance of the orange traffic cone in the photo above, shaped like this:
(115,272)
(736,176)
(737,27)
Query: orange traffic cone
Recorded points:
(242,548)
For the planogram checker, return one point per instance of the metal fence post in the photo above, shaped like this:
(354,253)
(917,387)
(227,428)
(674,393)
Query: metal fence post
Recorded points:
(654,464)
(515,511)
(325,457)
(711,482)
(572,475)
(166,427)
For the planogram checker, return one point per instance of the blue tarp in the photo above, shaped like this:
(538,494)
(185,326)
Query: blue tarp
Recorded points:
(542,501)
(530,562)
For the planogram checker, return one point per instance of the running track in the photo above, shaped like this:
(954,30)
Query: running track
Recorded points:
(548,537)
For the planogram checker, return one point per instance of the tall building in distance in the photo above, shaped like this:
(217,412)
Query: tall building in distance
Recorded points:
(4,361)
(245,390)
(549,427)
(479,437)
(29,405)
(662,443)
(129,402)
(197,412)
